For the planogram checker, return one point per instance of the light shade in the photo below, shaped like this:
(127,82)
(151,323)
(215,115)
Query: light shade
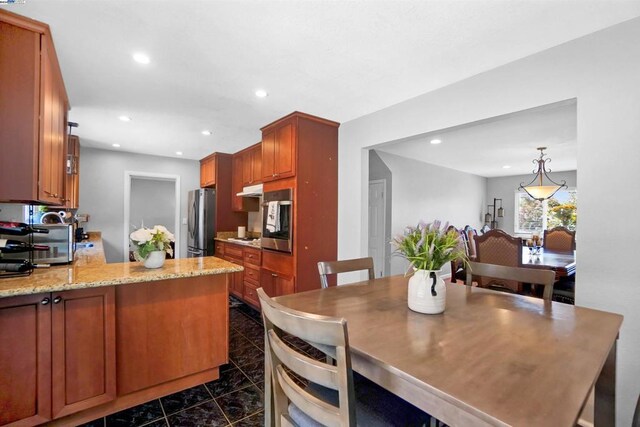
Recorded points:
(488,218)
(541,192)
(500,212)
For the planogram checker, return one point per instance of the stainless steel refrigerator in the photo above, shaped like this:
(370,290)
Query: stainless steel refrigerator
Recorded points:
(201,222)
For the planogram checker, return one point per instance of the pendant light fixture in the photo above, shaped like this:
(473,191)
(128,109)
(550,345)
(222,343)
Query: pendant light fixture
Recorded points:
(537,189)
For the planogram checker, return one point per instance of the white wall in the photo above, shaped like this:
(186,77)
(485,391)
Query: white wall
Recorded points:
(602,71)
(102,191)
(505,188)
(422,191)
(153,202)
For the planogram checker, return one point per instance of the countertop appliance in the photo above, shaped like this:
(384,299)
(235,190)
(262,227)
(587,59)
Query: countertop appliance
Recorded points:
(201,222)
(277,220)
(60,240)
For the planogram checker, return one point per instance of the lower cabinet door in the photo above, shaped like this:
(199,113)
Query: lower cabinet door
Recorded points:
(83,349)
(25,360)
(276,284)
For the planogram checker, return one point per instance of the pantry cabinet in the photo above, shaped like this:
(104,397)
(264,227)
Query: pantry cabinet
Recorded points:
(57,355)
(72,184)
(33,114)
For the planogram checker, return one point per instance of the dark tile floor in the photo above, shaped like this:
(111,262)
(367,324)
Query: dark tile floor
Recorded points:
(235,399)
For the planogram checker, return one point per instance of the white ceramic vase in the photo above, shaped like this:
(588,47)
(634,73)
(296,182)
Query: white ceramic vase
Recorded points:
(427,292)
(155,259)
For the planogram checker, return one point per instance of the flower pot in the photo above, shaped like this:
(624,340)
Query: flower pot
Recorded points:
(155,259)
(427,292)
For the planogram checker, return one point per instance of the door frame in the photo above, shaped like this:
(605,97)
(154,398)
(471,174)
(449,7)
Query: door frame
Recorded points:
(128,176)
(384,221)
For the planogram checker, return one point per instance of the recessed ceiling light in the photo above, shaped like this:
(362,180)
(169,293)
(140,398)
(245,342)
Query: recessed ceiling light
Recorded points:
(261,93)
(141,58)
(125,118)
(506,167)
(206,132)
(179,153)
(435,141)
(115,145)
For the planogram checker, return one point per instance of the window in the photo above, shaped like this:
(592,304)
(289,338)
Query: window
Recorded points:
(534,216)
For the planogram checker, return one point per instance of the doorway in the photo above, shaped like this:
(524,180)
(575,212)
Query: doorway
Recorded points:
(151,199)
(377,225)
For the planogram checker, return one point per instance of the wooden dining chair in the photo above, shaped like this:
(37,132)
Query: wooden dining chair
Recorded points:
(335,267)
(559,239)
(497,247)
(534,276)
(335,395)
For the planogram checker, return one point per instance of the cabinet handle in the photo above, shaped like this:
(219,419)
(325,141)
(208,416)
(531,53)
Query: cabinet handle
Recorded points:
(274,275)
(57,300)
(250,256)
(45,301)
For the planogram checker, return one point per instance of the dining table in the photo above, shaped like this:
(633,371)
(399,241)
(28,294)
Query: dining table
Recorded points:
(563,263)
(491,358)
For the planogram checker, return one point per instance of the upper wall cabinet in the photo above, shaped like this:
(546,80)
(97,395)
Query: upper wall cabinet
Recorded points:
(33,114)
(279,149)
(208,171)
(252,165)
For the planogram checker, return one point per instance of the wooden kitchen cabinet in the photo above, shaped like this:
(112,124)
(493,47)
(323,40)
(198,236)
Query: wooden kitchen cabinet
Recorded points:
(236,182)
(33,113)
(57,355)
(252,165)
(276,284)
(83,349)
(216,171)
(25,360)
(233,253)
(72,184)
(208,171)
(279,150)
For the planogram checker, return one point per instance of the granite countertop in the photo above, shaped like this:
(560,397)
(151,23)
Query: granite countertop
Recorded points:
(90,270)
(224,236)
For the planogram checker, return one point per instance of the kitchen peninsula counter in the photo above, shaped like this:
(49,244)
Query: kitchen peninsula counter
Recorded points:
(80,345)
(90,270)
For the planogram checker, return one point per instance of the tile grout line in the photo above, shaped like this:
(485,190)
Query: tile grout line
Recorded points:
(166,419)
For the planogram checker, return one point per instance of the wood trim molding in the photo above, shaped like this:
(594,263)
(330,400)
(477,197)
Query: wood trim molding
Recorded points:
(302,116)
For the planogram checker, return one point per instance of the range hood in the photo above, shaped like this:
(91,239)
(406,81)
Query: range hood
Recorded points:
(251,191)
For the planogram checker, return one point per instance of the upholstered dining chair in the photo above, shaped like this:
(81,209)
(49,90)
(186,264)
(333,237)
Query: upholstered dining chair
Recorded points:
(559,239)
(326,268)
(534,276)
(497,247)
(471,234)
(334,396)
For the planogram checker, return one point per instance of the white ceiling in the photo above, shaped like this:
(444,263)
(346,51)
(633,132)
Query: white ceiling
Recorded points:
(483,148)
(335,59)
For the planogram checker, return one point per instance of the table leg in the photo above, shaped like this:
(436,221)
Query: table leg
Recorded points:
(605,396)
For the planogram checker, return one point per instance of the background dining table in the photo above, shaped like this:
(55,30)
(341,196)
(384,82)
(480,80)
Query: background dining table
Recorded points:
(491,358)
(563,263)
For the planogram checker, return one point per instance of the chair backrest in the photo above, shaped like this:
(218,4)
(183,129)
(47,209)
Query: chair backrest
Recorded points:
(559,239)
(497,247)
(520,274)
(327,333)
(470,239)
(334,267)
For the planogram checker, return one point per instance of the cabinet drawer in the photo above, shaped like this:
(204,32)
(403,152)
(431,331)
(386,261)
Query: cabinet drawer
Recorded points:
(251,294)
(252,256)
(233,251)
(219,249)
(252,274)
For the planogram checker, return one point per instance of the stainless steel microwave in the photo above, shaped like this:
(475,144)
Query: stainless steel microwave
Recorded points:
(59,239)
(277,220)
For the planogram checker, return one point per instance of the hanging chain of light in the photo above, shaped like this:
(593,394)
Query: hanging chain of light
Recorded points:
(540,191)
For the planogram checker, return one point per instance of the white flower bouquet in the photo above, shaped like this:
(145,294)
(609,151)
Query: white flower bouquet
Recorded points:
(147,240)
